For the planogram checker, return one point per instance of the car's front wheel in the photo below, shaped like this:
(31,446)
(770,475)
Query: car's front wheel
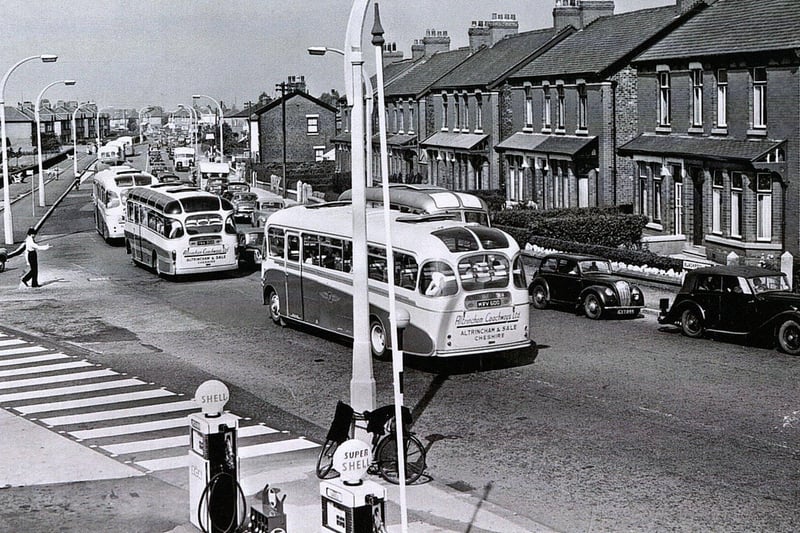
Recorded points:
(692,323)
(539,296)
(592,306)
(789,337)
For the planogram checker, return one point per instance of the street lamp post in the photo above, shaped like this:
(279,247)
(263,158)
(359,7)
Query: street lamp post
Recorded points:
(39,135)
(97,123)
(142,111)
(192,130)
(362,383)
(75,140)
(368,91)
(7,221)
(221,151)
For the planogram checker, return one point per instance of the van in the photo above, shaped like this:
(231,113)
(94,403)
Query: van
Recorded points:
(184,158)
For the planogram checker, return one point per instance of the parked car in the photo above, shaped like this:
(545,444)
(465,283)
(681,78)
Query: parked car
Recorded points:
(742,301)
(217,186)
(251,243)
(587,284)
(238,186)
(243,203)
(263,210)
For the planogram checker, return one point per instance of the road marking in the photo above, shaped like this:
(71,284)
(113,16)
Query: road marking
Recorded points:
(75,389)
(130,429)
(34,359)
(91,402)
(44,368)
(59,378)
(11,342)
(20,351)
(146,445)
(189,405)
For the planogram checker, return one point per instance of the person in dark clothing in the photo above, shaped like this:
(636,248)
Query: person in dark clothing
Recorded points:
(31,249)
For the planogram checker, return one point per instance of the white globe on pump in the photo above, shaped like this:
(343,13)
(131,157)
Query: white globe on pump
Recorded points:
(352,459)
(212,395)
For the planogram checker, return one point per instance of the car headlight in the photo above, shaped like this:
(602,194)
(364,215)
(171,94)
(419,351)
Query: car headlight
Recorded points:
(608,291)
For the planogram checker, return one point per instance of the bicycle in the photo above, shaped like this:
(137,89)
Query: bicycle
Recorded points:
(381,424)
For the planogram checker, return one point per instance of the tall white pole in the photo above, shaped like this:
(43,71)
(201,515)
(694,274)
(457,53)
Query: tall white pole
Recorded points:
(39,135)
(397,354)
(219,107)
(362,384)
(8,225)
(75,140)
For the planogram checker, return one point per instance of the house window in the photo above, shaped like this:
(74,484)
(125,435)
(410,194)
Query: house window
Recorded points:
(677,195)
(697,97)
(664,118)
(657,196)
(444,112)
(546,122)
(401,116)
(319,153)
(582,106)
(411,119)
(479,113)
(456,113)
(560,108)
(722,98)
(642,188)
(759,97)
(716,202)
(312,124)
(764,207)
(736,204)
(465,122)
(528,107)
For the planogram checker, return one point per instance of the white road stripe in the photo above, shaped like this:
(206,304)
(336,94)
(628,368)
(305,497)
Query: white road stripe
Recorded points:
(122,413)
(43,368)
(182,461)
(12,342)
(29,349)
(33,359)
(147,445)
(60,378)
(129,429)
(75,389)
(90,402)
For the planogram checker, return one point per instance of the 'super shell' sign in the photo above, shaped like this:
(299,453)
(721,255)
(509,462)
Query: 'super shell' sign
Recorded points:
(212,395)
(352,459)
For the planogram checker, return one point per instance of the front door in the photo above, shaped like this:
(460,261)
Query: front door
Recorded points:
(698,177)
(294,285)
(677,179)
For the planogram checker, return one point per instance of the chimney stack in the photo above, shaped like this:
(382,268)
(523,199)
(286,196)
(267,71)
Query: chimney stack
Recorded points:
(580,13)
(489,32)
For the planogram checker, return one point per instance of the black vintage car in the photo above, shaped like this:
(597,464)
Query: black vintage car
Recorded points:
(586,283)
(743,301)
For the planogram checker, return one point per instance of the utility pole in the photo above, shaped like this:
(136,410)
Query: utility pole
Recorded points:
(282,88)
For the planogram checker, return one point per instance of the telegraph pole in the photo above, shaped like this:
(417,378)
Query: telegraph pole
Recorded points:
(282,88)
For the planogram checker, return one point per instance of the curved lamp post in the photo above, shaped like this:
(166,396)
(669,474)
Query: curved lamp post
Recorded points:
(75,140)
(193,130)
(39,135)
(321,51)
(143,110)
(7,222)
(221,151)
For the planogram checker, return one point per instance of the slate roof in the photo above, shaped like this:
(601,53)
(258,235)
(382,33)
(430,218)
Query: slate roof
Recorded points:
(602,44)
(488,64)
(416,79)
(15,115)
(259,110)
(463,141)
(546,144)
(704,147)
(731,27)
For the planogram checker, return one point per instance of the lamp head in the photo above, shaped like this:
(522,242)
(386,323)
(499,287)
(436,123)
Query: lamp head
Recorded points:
(197,96)
(48,58)
(69,82)
(317,50)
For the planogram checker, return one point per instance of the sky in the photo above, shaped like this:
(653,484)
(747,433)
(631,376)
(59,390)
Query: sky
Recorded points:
(136,53)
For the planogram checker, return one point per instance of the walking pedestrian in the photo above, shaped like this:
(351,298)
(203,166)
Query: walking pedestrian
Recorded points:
(31,248)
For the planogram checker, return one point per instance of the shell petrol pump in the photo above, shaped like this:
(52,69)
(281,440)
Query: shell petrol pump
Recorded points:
(351,504)
(214,491)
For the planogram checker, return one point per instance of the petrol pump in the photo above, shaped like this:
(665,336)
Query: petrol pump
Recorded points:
(214,491)
(351,504)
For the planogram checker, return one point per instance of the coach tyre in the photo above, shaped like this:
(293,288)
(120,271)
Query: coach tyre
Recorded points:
(377,340)
(275,307)
(789,337)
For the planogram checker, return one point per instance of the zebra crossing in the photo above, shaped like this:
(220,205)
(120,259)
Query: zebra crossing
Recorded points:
(123,417)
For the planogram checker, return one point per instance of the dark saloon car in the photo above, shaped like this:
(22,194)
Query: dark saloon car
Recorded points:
(586,283)
(251,246)
(742,301)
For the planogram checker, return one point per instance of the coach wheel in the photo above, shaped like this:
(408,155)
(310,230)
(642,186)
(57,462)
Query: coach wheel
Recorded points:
(154,263)
(377,340)
(275,308)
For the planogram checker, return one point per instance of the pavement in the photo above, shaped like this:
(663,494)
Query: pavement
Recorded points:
(51,481)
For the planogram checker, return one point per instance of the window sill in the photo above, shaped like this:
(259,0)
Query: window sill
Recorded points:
(719,131)
(663,129)
(527,129)
(561,131)
(655,226)
(582,131)
(547,130)
(696,130)
(760,132)
(480,131)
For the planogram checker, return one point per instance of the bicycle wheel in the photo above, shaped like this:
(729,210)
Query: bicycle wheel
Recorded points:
(325,460)
(386,458)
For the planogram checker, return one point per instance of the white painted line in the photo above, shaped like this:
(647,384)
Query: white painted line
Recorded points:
(167,463)
(16,351)
(75,389)
(271,448)
(128,429)
(33,359)
(253,431)
(147,445)
(44,368)
(90,402)
(12,342)
(189,405)
(60,378)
